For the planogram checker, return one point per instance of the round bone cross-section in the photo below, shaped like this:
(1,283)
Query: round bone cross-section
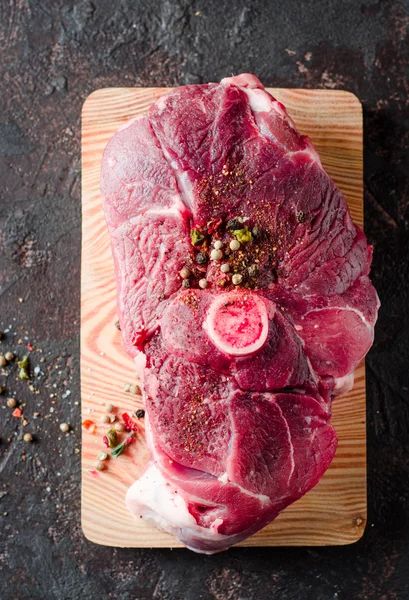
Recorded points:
(237,323)
(238,380)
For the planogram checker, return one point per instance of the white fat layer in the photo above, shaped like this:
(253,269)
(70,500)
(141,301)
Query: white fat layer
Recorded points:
(308,151)
(314,375)
(291,445)
(161,103)
(140,363)
(175,210)
(343,384)
(182,179)
(350,308)
(157,501)
(224,478)
(244,80)
(259,100)
(262,498)
(154,499)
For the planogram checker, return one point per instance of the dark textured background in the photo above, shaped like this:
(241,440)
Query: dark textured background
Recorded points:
(52,55)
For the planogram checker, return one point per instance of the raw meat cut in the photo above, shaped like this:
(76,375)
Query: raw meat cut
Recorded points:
(243,295)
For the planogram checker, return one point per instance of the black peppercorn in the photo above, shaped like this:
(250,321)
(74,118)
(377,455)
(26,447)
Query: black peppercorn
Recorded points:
(201,258)
(234,224)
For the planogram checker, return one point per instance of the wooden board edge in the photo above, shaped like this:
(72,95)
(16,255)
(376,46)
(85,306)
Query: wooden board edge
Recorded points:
(99,93)
(87,530)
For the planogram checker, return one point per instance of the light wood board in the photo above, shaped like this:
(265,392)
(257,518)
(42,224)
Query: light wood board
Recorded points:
(334,512)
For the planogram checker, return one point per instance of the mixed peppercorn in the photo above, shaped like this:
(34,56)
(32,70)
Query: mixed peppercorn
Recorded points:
(228,256)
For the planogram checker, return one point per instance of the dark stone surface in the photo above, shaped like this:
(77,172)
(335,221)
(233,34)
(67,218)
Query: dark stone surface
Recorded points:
(53,54)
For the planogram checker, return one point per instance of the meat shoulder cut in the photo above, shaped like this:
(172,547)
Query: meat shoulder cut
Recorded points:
(243,295)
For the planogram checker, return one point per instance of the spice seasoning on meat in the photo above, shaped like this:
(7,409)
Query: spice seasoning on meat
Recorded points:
(193,418)
(196,237)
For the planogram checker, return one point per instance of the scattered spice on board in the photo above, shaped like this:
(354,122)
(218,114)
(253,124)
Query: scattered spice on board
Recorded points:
(130,425)
(17,413)
(90,426)
(131,388)
(117,451)
(111,438)
(23,366)
(140,413)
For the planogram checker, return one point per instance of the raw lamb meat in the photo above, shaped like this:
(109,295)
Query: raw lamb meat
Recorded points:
(243,295)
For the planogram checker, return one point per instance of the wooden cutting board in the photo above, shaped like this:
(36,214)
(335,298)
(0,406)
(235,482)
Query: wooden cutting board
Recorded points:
(334,512)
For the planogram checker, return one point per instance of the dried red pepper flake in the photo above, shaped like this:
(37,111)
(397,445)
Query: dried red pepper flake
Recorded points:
(130,424)
(90,426)
(213,225)
(17,412)
(30,347)
(105,440)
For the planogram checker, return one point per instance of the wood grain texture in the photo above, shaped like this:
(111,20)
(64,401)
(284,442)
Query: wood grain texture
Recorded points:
(334,512)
